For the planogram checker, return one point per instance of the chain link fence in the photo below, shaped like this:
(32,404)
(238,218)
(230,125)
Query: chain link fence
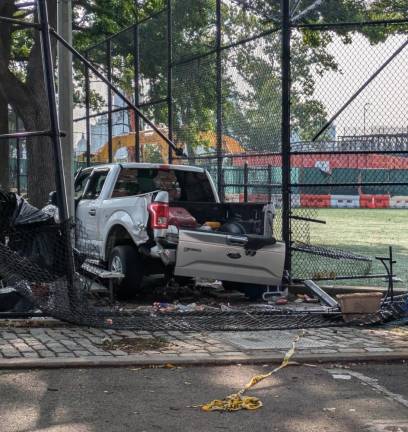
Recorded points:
(212,76)
(212,81)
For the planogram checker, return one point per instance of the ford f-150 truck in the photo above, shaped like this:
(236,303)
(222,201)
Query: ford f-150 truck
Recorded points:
(143,218)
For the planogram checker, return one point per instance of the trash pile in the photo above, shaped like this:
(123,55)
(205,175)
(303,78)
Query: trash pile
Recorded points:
(28,239)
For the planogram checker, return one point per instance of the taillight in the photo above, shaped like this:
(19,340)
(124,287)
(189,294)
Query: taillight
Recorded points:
(159,215)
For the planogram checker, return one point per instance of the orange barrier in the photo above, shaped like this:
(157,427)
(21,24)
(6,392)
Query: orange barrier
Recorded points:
(318,201)
(374,201)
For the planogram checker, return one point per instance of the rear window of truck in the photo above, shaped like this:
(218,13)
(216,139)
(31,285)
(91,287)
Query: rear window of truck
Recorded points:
(182,186)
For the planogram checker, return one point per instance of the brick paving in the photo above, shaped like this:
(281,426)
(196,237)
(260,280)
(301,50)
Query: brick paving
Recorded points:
(86,343)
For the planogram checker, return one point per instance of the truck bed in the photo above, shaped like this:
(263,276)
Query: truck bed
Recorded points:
(249,215)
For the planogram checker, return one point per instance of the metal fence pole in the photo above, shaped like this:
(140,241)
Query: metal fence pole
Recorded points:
(246,182)
(87,113)
(18,154)
(170,75)
(109,76)
(48,68)
(136,67)
(219,101)
(48,71)
(285,130)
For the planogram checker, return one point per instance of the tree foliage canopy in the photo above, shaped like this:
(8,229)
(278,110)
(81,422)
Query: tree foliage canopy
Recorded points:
(251,72)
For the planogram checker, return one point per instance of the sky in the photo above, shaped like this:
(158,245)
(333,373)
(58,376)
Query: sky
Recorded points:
(385,99)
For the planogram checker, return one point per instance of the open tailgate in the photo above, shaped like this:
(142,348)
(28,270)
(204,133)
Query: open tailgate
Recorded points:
(226,257)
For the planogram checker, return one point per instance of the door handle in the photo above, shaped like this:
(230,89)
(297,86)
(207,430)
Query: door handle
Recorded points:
(237,241)
(92,212)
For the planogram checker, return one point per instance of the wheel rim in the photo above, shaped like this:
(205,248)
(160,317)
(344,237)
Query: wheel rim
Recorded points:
(116,265)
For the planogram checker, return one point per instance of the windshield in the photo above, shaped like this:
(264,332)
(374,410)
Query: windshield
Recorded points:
(182,186)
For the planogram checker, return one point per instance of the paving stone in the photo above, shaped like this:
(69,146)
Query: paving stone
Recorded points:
(46,353)
(7,335)
(98,352)
(10,354)
(82,353)
(65,355)
(57,348)
(118,353)
(37,346)
(30,354)
(22,347)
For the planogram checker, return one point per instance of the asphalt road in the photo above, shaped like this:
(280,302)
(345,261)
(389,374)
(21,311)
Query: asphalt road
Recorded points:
(370,398)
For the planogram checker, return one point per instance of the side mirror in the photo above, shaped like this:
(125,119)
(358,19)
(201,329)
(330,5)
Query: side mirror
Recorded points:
(52,198)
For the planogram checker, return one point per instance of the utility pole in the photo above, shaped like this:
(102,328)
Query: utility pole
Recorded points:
(285,132)
(65,97)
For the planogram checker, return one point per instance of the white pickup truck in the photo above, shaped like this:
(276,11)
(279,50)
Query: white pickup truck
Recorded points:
(142,218)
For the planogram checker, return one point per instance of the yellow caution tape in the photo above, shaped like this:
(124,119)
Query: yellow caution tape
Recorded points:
(237,401)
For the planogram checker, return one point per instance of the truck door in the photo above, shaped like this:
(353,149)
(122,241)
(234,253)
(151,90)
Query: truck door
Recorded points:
(88,214)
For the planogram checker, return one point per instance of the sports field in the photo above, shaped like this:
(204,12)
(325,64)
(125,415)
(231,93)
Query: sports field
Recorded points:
(368,232)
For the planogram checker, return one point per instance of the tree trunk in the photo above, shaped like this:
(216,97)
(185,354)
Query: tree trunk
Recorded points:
(4,146)
(29,100)
(40,155)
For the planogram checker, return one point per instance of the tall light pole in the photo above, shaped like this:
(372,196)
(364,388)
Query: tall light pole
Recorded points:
(366,105)
(65,96)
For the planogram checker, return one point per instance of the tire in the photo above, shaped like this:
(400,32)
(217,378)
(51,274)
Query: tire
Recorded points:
(125,259)
(252,291)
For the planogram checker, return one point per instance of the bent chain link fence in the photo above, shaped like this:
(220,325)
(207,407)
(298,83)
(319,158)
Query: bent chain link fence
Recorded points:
(212,82)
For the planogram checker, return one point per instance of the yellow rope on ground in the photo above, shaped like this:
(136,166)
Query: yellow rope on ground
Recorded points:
(238,401)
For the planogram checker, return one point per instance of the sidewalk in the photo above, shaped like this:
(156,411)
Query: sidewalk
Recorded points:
(71,346)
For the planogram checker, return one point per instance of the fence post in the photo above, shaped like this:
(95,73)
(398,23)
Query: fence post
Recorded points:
(270,182)
(87,113)
(219,100)
(18,154)
(285,131)
(49,82)
(109,76)
(136,67)
(170,75)
(246,182)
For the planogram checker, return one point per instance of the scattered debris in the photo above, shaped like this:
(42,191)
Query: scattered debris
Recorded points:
(321,294)
(13,301)
(238,401)
(281,301)
(329,409)
(359,306)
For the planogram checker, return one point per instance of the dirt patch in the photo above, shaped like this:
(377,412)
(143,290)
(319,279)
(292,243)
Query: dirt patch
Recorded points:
(133,345)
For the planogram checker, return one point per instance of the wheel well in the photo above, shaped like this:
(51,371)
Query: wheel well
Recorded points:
(117,236)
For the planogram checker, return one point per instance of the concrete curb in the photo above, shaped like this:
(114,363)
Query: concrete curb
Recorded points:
(139,361)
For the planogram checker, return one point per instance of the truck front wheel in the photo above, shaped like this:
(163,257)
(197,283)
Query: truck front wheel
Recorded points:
(125,259)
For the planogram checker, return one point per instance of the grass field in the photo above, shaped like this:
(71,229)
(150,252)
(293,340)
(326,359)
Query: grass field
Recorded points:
(368,232)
